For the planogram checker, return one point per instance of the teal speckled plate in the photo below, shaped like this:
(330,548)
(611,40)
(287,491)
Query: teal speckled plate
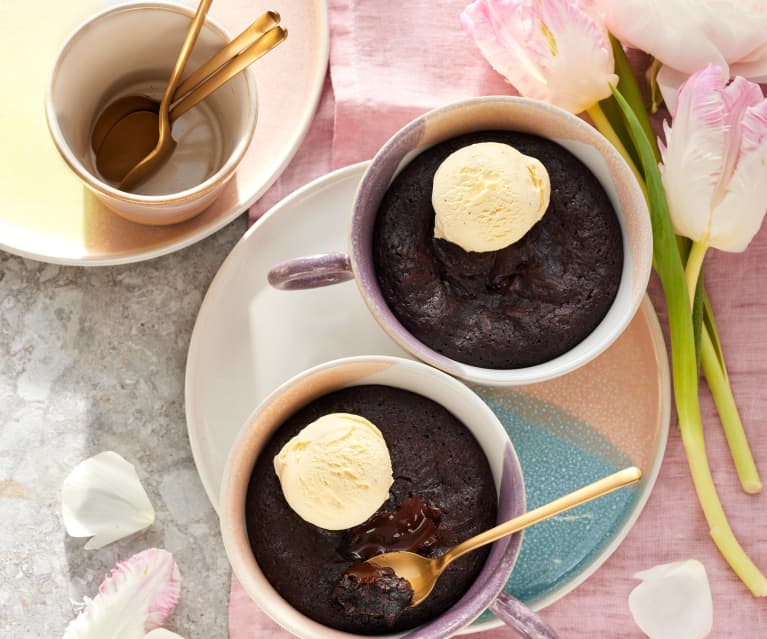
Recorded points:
(613,412)
(559,453)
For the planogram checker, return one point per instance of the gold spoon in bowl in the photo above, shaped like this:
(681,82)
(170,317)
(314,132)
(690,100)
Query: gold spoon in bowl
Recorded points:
(422,573)
(137,135)
(128,104)
(162,149)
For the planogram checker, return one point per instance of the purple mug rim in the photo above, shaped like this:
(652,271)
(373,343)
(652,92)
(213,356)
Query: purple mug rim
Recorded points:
(370,290)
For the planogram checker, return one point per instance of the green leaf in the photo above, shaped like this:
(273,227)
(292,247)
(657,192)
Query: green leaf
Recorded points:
(671,273)
(710,323)
(697,319)
(630,91)
(614,116)
(683,244)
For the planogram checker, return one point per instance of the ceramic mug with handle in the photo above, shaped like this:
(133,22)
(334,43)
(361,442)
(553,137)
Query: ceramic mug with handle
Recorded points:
(483,114)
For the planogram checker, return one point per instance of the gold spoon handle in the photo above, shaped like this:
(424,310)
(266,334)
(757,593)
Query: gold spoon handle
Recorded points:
(261,24)
(186,49)
(601,487)
(263,45)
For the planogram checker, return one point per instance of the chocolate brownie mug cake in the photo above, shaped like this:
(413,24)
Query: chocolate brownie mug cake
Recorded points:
(357,457)
(500,239)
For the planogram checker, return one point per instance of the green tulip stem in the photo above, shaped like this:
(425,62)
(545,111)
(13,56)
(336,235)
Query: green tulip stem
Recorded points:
(730,418)
(721,391)
(694,266)
(719,527)
(603,125)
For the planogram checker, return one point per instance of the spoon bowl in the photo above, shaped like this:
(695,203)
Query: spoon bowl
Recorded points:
(128,142)
(422,573)
(115,112)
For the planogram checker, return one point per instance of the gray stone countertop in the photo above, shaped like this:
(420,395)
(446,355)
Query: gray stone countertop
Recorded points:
(92,359)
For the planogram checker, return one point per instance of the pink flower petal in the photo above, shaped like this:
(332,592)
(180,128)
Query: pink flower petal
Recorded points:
(694,155)
(669,82)
(740,213)
(134,599)
(552,50)
(739,95)
(486,24)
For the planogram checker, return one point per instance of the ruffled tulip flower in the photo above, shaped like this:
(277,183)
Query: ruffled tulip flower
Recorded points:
(686,35)
(133,601)
(557,51)
(715,163)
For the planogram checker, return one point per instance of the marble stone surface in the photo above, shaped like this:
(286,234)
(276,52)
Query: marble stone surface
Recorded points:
(93,359)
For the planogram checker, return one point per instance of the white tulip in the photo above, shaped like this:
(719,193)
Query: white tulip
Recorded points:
(135,598)
(715,160)
(686,35)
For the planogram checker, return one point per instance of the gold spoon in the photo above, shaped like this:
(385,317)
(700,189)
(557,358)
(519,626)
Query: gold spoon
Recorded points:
(136,135)
(422,573)
(121,107)
(162,149)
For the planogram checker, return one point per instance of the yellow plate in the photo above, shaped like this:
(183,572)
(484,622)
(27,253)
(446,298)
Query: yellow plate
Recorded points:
(45,212)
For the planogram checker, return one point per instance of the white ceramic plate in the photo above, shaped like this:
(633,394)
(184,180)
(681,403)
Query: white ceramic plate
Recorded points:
(249,338)
(46,214)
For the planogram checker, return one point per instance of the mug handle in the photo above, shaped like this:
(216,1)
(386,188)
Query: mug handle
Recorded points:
(518,616)
(311,271)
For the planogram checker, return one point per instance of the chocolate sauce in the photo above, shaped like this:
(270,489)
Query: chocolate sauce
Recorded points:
(363,571)
(413,527)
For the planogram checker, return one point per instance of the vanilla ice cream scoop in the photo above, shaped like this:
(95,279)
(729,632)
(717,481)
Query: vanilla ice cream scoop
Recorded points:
(486,196)
(336,472)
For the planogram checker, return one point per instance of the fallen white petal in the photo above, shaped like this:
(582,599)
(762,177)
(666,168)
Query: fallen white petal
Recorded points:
(162,633)
(103,498)
(673,601)
(136,598)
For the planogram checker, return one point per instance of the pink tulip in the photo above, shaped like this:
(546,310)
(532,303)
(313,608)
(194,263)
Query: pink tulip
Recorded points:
(552,50)
(715,160)
(133,600)
(685,35)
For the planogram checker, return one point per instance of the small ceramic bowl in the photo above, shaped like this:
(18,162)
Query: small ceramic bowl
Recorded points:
(131,49)
(468,116)
(388,371)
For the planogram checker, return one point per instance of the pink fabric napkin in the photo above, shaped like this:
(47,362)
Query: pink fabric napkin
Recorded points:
(389,62)
(393,60)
